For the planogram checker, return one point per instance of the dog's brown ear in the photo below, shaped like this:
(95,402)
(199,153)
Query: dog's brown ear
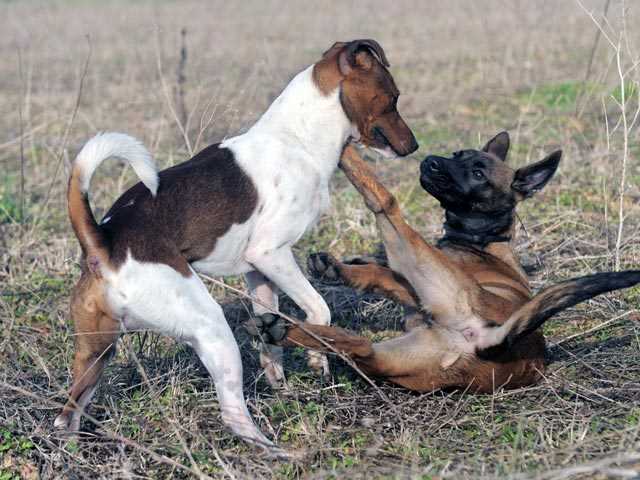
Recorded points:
(353,56)
(532,178)
(334,49)
(498,146)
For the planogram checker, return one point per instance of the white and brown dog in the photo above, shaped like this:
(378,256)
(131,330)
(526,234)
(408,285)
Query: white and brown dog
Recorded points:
(235,208)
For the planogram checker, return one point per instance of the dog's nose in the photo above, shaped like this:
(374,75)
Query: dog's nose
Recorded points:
(413,145)
(431,163)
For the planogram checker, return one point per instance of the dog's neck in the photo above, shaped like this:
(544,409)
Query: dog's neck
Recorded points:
(492,233)
(478,229)
(304,117)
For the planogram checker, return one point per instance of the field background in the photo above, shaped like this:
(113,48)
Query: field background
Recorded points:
(467,69)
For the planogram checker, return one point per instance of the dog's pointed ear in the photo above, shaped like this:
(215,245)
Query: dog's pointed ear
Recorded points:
(498,146)
(361,54)
(532,178)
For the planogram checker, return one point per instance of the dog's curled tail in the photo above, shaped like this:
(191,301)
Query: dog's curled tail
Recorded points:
(94,152)
(553,300)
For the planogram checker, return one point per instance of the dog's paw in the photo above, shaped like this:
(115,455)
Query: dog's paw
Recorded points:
(323,266)
(270,328)
(68,422)
(319,363)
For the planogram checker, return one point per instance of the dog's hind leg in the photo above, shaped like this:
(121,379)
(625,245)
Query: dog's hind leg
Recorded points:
(423,359)
(186,311)
(270,355)
(96,334)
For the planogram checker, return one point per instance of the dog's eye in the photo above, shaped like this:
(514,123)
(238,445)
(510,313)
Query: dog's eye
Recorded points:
(478,174)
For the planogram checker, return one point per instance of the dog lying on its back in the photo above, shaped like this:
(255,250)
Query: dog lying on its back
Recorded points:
(483,332)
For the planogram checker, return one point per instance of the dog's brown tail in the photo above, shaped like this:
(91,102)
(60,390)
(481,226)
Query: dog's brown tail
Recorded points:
(95,151)
(552,300)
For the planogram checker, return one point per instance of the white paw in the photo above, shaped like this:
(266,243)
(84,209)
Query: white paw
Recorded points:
(319,363)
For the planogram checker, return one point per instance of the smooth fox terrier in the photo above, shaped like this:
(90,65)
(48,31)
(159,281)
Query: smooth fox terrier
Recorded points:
(237,207)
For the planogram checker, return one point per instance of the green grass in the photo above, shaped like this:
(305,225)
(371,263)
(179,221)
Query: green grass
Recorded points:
(459,87)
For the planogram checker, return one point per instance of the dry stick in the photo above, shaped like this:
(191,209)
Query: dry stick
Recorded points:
(617,48)
(625,156)
(10,143)
(65,137)
(592,55)
(108,433)
(593,329)
(300,325)
(21,100)
(181,80)
(165,91)
(173,422)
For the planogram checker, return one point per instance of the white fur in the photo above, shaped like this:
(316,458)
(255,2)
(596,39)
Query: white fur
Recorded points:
(122,146)
(185,311)
(290,154)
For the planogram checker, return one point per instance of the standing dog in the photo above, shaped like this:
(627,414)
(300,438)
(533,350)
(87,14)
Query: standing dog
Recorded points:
(235,208)
(482,334)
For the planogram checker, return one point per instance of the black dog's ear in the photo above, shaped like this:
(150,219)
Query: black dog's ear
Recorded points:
(498,146)
(528,180)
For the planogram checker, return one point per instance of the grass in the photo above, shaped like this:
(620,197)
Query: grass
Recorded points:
(466,71)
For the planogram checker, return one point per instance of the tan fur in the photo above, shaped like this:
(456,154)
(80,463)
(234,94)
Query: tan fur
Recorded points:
(96,335)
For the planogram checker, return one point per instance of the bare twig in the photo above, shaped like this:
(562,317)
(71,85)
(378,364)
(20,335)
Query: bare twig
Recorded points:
(165,90)
(181,78)
(65,137)
(300,324)
(20,102)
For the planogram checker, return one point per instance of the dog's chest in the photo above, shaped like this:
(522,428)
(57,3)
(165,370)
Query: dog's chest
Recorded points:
(288,205)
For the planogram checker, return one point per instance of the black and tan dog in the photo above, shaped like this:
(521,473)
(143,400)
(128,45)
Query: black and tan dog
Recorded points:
(482,334)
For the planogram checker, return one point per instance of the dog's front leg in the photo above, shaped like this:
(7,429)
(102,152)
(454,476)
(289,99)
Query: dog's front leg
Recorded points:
(266,294)
(279,266)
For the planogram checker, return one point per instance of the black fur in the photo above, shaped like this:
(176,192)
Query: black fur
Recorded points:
(569,293)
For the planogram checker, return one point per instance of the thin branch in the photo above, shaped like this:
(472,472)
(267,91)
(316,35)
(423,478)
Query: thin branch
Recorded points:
(22,97)
(167,96)
(300,325)
(65,137)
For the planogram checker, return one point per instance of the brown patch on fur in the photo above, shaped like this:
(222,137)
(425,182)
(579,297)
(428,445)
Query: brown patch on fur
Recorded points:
(326,73)
(368,93)
(96,334)
(197,202)
(92,241)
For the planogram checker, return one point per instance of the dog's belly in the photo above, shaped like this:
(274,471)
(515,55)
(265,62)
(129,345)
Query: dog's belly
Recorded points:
(227,256)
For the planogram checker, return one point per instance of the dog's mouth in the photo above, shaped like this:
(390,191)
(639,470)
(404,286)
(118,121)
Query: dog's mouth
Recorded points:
(386,152)
(435,179)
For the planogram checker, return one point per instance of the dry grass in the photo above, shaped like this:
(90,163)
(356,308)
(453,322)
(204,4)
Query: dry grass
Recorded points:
(467,69)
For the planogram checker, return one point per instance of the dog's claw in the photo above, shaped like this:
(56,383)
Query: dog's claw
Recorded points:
(323,266)
(269,327)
